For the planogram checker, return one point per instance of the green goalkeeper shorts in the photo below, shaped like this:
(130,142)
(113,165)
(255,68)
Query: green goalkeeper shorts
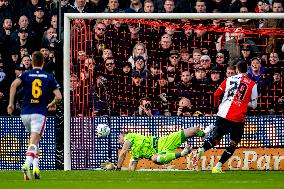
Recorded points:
(171,142)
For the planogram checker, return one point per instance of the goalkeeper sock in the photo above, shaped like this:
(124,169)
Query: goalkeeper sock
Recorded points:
(200,133)
(167,157)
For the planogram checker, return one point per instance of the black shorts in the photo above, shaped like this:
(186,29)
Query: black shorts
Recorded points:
(224,126)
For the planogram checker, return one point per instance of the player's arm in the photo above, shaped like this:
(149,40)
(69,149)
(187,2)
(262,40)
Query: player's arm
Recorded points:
(219,92)
(132,165)
(254,95)
(16,83)
(57,98)
(122,154)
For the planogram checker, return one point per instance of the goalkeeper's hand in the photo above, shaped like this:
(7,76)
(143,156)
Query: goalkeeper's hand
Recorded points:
(107,165)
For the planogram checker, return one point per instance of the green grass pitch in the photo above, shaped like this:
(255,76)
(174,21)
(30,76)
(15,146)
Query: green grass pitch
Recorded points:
(145,180)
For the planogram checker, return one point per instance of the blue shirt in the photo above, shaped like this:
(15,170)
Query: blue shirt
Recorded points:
(37,87)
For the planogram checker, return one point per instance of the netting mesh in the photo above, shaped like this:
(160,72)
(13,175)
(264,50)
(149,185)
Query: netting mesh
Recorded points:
(97,44)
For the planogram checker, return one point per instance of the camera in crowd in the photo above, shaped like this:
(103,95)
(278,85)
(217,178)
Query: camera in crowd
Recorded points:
(147,106)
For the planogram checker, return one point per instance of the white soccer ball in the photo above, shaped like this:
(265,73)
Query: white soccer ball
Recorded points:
(103,130)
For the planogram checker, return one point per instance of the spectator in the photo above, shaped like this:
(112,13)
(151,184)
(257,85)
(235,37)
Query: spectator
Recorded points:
(187,109)
(99,43)
(221,60)
(138,50)
(135,7)
(31,8)
(258,74)
(23,41)
(200,6)
(148,6)
(205,62)
(164,95)
(218,5)
(146,108)
(49,39)
(5,36)
(173,67)
(113,7)
(237,4)
(100,97)
(186,61)
(273,41)
(39,23)
(80,6)
(186,37)
(185,87)
(125,78)
(230,71)
(169,6)
(140,66)
(98,5)
(22,23)
(163,50)
(246,54)
(26,62)
(234,45)
(135,92)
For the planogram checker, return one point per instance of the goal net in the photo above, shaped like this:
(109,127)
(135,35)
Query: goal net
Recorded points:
(113,63)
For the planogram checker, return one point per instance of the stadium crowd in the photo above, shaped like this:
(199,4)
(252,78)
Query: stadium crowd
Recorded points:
(154,67)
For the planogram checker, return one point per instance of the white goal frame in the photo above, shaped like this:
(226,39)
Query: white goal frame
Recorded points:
(66,50)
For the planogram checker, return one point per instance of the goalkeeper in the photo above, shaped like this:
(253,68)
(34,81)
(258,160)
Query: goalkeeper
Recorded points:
(159,150)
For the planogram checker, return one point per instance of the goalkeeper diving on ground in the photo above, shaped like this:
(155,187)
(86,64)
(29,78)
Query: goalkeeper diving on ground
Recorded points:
(159,150)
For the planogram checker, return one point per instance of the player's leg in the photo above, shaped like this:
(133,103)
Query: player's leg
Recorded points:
(219,131)
(236,132)
(197,132)
(37,126)
(26,119)
(36,171)
(167,146)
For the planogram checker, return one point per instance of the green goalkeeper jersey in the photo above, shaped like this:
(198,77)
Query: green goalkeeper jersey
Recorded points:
(141,146)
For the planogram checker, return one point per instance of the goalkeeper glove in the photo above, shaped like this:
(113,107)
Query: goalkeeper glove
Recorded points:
(107,165)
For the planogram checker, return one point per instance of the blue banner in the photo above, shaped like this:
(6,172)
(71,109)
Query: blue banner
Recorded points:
(14,143)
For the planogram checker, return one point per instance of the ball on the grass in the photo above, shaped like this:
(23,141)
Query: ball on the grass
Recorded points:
(103,130)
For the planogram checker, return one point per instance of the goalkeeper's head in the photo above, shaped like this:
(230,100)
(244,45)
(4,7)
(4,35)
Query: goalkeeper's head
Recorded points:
(121,137)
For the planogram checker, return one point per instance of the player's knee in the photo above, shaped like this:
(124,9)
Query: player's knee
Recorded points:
(233,143)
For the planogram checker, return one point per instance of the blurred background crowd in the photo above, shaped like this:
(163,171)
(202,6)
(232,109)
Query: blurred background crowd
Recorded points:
(148,67)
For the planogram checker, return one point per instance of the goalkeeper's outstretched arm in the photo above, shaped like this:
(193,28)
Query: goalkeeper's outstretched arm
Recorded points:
(122,154)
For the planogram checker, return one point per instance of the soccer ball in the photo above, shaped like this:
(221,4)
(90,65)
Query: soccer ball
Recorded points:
(103,130)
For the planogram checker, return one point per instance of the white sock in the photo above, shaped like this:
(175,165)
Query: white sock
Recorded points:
(29,160)
(36,162)
(31,153)
(219,165)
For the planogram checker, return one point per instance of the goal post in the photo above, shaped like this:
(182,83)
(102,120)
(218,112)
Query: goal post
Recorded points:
(66,50)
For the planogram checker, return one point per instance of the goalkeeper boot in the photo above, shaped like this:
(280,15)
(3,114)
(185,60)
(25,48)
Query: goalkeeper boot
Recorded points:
(36,173)
(217,170)
(26,171)
(197,156)
(187,150)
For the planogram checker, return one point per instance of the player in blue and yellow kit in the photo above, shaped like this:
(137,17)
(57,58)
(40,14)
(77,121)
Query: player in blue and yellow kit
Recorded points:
(37,85)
